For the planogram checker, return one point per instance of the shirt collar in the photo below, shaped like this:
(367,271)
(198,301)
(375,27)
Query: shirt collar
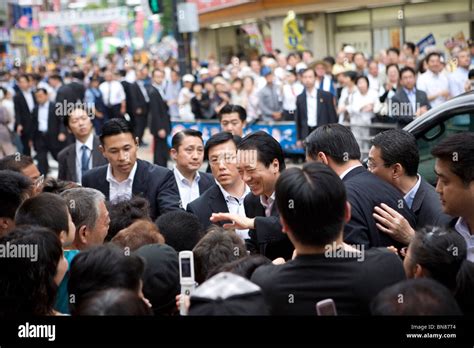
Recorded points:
(267,202)
(182,179)
(463,229)
(89,142)
(227,195)
(348,170)
(111,178)
(410,196)
(45,105)
(311,94)
(407,91)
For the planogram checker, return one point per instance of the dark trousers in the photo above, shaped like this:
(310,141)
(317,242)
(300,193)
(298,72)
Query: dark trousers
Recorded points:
(139,125)
(43,145)
(113,111)
(25,141)
(161,151)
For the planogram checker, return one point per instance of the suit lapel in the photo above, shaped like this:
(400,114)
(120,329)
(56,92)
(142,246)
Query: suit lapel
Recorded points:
(71,162)
(96,154)
(419,196)
(217,201)
(139,181)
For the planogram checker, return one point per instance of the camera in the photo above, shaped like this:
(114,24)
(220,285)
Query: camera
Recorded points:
(186,277)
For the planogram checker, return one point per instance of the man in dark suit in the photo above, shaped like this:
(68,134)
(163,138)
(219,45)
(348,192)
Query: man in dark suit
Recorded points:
(187,150)
(336,146)
(46,127)
(24,102)
(409,102)
(160,126)
(126,176)
(84,153)
(140,103)
(260,160)
(314,107)
(394,158)
(228,193)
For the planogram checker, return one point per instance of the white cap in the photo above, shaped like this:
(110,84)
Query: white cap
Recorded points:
(349,49)
(188,78)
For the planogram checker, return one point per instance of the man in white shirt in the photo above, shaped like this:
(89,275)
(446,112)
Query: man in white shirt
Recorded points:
(113,95)
(187,150)
(458,78)
(454,168)
(228,193)
(434,82)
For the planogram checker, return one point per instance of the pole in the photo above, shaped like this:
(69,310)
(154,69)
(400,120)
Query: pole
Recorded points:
(183,55)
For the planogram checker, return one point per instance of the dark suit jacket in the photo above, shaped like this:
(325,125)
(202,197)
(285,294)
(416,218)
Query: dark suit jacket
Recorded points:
(325,110)
(211,201)
(160,118)
(267,238)
(54,125)
(137,100)
(67,160)
(23,116)
(155,183)
(427,207)
(400,106)
(365,191)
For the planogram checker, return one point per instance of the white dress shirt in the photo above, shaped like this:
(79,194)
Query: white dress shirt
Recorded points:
(457,79)
(290,93)
(344,173)
(43,113)
(112,92)
(462,228)
(432,84)
(188,191)
(90,146)
(29,99)
(120,191)
(268,203)
(311,107)
(236,206)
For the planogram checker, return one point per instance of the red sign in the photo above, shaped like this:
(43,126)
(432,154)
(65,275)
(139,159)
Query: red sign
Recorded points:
(205,6)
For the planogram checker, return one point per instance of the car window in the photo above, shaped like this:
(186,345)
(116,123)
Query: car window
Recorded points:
(454,124)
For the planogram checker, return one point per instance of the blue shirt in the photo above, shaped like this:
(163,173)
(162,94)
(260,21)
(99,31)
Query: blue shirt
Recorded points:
(62,297)
(412,98)
(410,196)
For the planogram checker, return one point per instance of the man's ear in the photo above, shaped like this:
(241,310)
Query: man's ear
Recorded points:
(173,154)
(397,171)
(82,233)
(321,157)
(419,272)
(137,142)
(102,150)
(275,166)
(6,224)
(284,226)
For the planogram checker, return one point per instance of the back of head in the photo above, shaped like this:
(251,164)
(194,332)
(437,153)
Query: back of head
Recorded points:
(14,189)
(124,213)
(27,280)
(182,230)
(15,162)
(103,267)
(138,234)
(215,249)
(84,205)
(243,267)
(52,185)
(266,147)
(415,297)
(46,210)
(302,192)
(161,277)
(458,150)
(114,302)
(440,252)
(398,146)
(335,141)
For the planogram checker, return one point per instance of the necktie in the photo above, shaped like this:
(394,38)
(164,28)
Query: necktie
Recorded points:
(84,160)
(109,94)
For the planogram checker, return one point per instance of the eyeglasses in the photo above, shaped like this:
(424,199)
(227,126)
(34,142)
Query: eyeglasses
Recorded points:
(39,181)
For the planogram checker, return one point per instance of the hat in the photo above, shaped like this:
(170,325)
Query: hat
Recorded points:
(228,294)
(338,69)
(219,80)
(188,78)
(161,276)
(266,71)
(349,49)
(203,71)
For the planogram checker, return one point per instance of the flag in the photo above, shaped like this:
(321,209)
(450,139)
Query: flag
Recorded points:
(291,32)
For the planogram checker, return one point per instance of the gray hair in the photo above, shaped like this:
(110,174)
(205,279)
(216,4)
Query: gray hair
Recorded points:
(83,204)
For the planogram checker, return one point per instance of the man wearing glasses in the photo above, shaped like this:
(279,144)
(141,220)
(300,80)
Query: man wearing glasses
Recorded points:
(24,164)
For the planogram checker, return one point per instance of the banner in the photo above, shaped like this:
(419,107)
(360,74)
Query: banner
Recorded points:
(66,18)
(292,35)
(283,132)
(428,40)
(255,35)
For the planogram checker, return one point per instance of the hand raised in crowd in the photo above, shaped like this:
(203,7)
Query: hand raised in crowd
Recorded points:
(239,222)
(393,223)
(162,133)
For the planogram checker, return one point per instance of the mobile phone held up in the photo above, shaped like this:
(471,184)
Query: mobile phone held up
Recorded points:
(326,308)
(186,277)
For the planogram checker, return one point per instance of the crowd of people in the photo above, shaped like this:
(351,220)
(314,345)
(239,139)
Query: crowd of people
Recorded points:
(103,237)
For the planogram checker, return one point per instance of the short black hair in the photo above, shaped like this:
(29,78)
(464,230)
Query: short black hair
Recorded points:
(405,69)
(103,267)
(471,74)
(411,46)
(333,140)
(15,162)
(125,213)
(351,74)
(115,126)
(301,192)
(428,57)
(230,108)
(458,150)
(220,138)
(266,146)
(330,60)
(302,71)
(398,146)
(43,90)
(182,230)
(363,77)
(14,189)
(46,210)
(178,138)
(78,74)
(28,286)
(55,77)
(421,296)
(113,302)
(392,65)
(394,50)
(243,267)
